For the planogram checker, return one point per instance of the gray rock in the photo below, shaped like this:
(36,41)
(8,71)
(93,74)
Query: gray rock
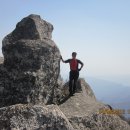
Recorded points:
(62,90)
(58,91)
(84,111)
(98,121)
(37,117)
(82,103)
(83,86)
(1,60)
(31,63)
(30,28)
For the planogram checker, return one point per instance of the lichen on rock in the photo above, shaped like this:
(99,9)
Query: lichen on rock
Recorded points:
(37,117)
(31,63)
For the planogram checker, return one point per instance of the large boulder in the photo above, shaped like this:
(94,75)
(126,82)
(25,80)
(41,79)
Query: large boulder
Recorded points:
(37,117)
(26,46)
(31,63)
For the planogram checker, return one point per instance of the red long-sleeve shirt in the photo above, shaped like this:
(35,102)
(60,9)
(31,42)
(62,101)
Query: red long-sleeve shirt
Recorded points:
(74,63)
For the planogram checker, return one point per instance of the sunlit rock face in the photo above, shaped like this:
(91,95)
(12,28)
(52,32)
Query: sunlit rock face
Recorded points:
(31,63)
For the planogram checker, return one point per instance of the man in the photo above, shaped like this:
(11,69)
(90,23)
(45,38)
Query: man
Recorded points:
(74,72)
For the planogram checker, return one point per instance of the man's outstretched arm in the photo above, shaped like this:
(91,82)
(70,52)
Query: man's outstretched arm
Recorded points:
(65,61)
(62,59)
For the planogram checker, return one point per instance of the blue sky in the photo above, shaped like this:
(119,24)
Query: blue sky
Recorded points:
(98,30)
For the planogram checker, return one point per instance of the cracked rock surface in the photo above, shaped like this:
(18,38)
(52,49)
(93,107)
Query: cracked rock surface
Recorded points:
(31,63)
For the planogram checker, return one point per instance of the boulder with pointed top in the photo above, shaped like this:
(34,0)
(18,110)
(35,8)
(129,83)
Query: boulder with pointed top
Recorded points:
(31,63)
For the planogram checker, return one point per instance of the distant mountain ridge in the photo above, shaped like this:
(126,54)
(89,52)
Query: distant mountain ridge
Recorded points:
(117,95)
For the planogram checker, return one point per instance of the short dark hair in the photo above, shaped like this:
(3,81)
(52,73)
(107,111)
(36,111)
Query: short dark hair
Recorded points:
(74,53)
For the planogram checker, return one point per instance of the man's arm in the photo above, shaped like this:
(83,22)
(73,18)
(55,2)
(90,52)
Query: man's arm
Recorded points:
(65,61)
(81,63)
(62,59)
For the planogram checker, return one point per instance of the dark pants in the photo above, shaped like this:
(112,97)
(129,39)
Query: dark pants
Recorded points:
(73,77)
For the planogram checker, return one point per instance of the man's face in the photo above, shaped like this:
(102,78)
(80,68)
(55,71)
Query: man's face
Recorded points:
(73,56)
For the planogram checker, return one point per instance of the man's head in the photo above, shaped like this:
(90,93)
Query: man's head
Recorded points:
(74,55)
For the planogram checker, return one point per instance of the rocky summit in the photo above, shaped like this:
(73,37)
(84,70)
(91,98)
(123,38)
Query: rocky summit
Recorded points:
(33,95)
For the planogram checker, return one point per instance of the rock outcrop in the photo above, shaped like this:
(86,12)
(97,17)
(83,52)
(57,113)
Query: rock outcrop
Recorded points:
(98,121)
(37,117)
(30,80)
(31,63)
(84,111)
(62,90)
(81,103)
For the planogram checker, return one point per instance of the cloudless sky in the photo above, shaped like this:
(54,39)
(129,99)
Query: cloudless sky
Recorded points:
(98,30)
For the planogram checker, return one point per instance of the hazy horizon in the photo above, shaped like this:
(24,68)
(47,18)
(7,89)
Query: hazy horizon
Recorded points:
(97,30)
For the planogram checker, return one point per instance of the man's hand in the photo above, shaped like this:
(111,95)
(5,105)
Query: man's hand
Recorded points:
(81,66)
(61,57)
(79,69)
